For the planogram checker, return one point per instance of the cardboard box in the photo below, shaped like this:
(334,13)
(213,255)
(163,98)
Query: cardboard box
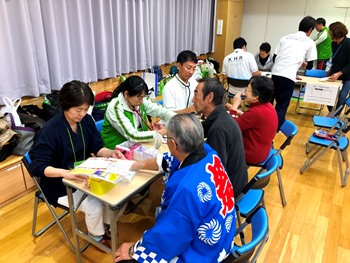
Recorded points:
(100,187)
(127,148)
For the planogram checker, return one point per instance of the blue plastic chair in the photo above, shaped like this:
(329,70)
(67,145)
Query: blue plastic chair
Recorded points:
(339,144)
(258,221)
(316,73)
(252,194)
(99,125)
(289,130)
(332,121)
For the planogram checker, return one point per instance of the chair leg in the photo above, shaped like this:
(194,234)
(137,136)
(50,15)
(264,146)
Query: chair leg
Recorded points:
(56,220)
(344,154)
(239,220)
(280,185)
(308,148)
(261,245)
(343,175)
(35,214)
(314,157)
(297,104)
(345,178)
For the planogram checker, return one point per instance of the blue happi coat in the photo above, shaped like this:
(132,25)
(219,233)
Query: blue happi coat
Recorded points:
(197,219)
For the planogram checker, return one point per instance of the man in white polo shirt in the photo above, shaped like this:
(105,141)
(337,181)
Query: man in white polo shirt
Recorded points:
(290,53)
(178,92)
(240,64)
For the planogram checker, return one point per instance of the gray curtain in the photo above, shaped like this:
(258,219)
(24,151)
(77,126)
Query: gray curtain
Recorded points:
(45,43)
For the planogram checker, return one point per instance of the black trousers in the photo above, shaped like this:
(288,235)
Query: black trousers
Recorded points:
(284,88)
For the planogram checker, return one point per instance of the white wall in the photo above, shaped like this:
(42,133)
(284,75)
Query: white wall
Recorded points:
(269,20)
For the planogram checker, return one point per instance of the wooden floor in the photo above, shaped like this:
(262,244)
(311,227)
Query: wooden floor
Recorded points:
(313,227)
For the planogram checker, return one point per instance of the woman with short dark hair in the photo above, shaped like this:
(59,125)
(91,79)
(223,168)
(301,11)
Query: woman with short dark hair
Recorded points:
(65,140)
(339,65)
(259,123)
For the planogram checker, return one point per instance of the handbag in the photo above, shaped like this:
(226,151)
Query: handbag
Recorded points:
(8,139)
(26,136)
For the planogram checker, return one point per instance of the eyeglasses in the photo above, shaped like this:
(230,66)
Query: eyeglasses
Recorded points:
(171,138)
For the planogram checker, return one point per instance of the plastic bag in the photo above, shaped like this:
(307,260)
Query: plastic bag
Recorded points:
(11,107)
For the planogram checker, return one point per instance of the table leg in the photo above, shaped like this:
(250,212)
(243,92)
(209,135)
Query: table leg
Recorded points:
(114,216)
(73,222)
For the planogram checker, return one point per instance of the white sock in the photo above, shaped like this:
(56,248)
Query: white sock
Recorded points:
(97,238)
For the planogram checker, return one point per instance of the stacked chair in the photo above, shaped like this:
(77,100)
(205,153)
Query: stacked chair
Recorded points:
(331,122)
(338,142)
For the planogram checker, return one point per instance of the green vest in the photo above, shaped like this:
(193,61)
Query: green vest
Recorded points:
(111,137)
(324,49)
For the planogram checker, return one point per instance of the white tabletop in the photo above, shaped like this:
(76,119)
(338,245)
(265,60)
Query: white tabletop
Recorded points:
(305,79)
(123,190)
(320,92)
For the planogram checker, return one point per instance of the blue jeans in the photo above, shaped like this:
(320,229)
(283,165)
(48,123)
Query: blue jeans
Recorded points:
(342,95)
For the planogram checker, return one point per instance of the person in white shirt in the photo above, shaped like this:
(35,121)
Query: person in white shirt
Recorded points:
(178,92)
(240,64)
(290,53)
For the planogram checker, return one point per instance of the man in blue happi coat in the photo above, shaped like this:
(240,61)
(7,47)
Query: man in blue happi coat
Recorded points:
(197,219)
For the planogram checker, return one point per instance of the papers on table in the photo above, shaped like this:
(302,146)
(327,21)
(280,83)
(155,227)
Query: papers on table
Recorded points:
(324,79)
(108,169)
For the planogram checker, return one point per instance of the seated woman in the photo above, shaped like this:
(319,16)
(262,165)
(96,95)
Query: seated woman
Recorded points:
(67,138)
(126,114)
(259,122)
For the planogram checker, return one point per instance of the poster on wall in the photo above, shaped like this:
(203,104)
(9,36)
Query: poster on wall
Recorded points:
(342,3)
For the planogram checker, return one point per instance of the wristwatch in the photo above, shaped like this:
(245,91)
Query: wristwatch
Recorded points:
(131,251)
